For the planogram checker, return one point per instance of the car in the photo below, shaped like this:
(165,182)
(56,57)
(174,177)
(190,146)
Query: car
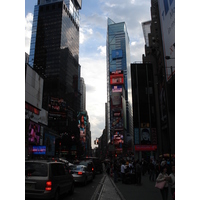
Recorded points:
(89,164)
(47,179)
(98,167)
(81,173)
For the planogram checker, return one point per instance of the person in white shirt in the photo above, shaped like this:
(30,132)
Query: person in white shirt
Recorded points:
(123,167)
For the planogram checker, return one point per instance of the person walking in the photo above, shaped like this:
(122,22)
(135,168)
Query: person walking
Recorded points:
(151,171)
(123,168)
(115,171)
(172,182)
(163,176)
(138,172)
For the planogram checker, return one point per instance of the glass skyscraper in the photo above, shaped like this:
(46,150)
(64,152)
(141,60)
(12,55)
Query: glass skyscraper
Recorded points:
(54,54)
(118,62)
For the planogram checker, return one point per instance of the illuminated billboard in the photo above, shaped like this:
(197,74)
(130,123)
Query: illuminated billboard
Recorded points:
(39,150)
(57,107)
(117,88)
(116,79)
(82,123)
(167,19)
(34,133)
(145,136)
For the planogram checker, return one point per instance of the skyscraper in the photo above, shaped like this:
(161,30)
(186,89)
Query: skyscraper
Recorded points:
(118,56)
(54,51)
(83,94)
(54,54)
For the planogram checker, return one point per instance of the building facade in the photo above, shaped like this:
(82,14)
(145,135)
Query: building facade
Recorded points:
(164,71)
(144,115)
(54,55)
(118,56)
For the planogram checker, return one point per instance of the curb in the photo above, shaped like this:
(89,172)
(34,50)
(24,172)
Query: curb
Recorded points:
(99,189)
(118,192)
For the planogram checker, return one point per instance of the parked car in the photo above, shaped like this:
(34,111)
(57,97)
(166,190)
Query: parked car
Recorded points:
(81,173)
(89,164)
(47,179)
(97,164)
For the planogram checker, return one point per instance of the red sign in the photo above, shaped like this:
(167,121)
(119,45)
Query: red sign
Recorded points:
(145,147)
(116,79)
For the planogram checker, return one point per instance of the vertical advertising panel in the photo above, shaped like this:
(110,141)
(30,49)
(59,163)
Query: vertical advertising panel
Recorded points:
(167,19)
(145,136)
(50,144)
(82,123)
(34,133)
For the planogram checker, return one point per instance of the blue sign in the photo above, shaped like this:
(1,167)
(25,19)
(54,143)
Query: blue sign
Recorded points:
(39,150)
(137,136)
(116,54)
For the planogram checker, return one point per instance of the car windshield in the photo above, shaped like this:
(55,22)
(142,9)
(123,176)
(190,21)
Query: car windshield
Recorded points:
(77,167)
(35,169)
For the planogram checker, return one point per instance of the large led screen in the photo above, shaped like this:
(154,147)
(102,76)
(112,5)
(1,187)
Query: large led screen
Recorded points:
(34,133)
(82,123)
(50,144)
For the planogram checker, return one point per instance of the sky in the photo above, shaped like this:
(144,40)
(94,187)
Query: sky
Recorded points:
(92,49)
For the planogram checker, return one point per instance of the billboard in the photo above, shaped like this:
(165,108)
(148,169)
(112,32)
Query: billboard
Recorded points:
(116,98)
(167,19)
(145,136)
(136,136)
(116,54)
(33,88)
(50,144)
(116,79)
(57,107)
(117,88)
(39,150)
(34,133)
(82,123)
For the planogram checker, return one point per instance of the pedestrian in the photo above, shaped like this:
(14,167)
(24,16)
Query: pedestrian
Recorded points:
(123,168)
(115,171)
(138,172)
(172,182)
(108,168)
(163,176)
(151,171)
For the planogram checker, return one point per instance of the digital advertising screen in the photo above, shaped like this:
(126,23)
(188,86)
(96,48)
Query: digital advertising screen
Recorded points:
(39,150)
(82,123)
(49,141)
(34,133)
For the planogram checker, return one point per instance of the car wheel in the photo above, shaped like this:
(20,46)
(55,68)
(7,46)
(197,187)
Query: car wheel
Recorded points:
(57,195)
(72,189)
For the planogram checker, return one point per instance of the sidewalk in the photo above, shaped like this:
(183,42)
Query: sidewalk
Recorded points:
(144,191)
(109,191)
(119,191)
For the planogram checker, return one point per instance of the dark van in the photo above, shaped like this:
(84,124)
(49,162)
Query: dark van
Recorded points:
(47,180)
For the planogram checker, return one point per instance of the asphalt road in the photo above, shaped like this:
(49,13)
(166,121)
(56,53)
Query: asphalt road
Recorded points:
(84,192)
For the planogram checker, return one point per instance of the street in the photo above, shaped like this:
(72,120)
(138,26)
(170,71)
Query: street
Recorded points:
(84,192)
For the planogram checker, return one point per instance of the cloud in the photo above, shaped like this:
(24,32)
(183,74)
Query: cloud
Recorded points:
(102,50)
(28,30)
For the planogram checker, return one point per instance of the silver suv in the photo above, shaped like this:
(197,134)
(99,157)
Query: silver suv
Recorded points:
(47,180)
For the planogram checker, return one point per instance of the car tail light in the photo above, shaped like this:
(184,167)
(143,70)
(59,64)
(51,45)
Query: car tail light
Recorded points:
(80,173)
(48,186)
(92,169)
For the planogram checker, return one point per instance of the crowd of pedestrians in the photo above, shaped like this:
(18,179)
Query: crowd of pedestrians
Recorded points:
(130,171)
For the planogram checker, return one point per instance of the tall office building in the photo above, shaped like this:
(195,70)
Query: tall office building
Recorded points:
(83,94)
(118,56)
(54,54)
